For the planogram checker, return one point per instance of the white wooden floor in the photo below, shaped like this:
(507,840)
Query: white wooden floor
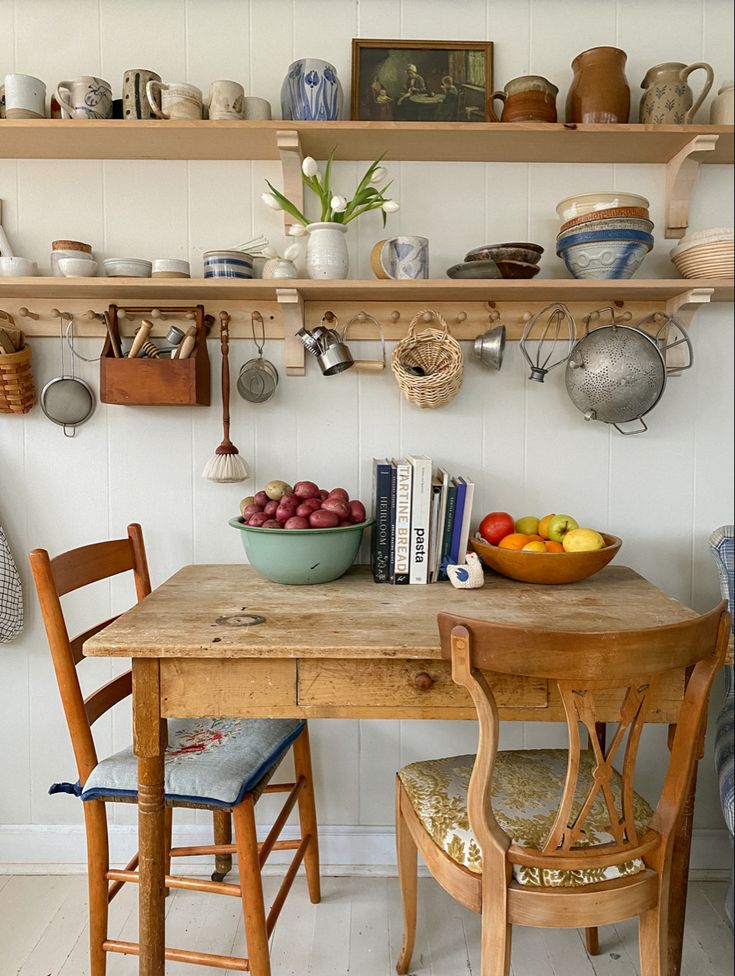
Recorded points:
(355,931)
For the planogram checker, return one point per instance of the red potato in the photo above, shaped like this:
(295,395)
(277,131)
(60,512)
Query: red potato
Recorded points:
(345,522)
(271,524)
(249,510)
(310,505)
(260,498)
(306,489)
(323,520)
(323,493)
(297,523)
(339,493)
(357,512)
(284,513)
(290,499)
(336,505)
(271,508)
(258,519)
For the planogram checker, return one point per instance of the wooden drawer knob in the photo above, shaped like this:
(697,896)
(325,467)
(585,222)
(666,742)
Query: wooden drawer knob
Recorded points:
(423,681)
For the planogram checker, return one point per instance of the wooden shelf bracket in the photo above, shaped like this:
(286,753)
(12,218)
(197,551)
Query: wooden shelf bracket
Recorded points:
(292,156)
(291,303)
(683,308)
(681,174)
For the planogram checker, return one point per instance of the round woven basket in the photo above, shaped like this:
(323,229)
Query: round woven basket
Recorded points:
(438,357)
(17,392)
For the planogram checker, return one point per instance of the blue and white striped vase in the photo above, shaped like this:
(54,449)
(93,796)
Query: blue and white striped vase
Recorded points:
(311,90)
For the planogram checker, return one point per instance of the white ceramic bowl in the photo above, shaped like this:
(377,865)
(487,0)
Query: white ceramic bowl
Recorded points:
(17,268)
(584,203)
(57,256)
(77,268)
(171,267)
(127,268)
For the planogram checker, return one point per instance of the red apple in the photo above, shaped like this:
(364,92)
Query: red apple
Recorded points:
(496,526)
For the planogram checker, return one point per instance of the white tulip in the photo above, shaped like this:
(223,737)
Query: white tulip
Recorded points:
(291,252)
(390,206)
(338,204)
(269,252)
(270,201)
(309,167)
(296,230)
(379,175)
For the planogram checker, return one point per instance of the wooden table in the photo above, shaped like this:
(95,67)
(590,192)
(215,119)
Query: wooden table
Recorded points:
(221,641)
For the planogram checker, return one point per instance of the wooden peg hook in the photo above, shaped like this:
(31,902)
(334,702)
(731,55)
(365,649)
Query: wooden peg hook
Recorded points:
(460,317)
(26,313)
(58,314)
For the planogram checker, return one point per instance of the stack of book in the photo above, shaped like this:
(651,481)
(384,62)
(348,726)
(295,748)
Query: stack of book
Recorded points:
(422,520)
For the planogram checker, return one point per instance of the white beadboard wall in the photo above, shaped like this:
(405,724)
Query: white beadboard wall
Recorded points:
(525,445)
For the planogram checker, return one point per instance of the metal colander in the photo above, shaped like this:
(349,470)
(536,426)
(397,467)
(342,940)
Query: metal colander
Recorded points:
(617,373)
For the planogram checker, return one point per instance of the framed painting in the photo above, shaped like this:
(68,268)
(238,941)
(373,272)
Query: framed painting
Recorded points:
(421,81)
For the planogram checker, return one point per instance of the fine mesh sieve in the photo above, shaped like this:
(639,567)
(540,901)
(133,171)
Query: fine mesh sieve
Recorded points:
(67,400)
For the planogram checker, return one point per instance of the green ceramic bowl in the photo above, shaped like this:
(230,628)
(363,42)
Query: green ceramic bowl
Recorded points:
(301,555)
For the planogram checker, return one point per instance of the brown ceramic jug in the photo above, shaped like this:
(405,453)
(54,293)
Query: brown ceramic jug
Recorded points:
(527,99)
(599,91)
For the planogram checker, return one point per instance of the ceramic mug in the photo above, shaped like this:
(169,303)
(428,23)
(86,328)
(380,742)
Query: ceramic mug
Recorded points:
(226,100)
(255,108)
(177,100)
(135,103)
(722,110)
(527,99)
(401,257)
(86,97)
(23,97)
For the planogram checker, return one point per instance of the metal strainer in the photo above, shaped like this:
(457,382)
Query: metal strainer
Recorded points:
(617,373)
(67,400)
(258,377)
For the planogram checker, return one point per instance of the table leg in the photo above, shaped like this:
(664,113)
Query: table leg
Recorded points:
(149,738)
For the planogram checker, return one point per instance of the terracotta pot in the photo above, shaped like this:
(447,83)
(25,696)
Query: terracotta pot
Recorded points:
(527,99)
(599,91)
(668,99)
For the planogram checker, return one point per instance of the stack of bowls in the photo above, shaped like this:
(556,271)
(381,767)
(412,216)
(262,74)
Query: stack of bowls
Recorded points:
(706,254)
(72,251)
(604,234)
(512,260)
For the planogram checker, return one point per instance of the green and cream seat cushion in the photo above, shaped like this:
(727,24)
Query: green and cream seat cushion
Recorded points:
(209,762)
(526,792)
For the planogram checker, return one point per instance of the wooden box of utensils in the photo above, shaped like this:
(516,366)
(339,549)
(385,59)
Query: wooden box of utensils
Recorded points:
(149,381)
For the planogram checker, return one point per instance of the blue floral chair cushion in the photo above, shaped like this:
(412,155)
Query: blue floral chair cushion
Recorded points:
(527,788)
(211,762)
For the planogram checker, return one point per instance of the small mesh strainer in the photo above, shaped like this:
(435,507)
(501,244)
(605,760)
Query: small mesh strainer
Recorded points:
(258,378)
(67,400)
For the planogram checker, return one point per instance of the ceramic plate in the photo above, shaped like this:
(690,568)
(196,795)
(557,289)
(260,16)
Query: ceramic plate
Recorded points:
(474,269)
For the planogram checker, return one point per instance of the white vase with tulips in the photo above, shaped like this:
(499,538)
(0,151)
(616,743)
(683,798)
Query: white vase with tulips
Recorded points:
(327,256)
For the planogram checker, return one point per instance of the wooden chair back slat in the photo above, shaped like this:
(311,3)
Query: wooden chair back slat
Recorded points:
(56,577)
(77,643)
(581,664)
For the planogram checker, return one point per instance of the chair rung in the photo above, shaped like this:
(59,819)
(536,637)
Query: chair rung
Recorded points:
(269,843)
(116,887)
(182,955)
(279,787)
(203,849)
(288,879)
(188,884)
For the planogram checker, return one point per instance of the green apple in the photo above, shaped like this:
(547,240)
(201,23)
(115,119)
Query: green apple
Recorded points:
(528,525)
(560,525)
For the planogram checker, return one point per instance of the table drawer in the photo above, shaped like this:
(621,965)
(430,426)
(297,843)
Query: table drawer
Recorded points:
(225,686)
(403,683)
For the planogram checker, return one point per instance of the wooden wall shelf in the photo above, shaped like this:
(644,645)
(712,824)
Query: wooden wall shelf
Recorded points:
(441,142)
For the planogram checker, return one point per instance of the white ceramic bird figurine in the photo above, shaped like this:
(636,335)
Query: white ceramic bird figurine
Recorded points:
(469,576)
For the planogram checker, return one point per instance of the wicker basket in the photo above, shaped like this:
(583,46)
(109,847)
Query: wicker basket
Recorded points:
(17,392)
(437,354)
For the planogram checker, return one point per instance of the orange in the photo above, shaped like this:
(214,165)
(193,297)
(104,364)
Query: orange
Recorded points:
(536,546)
(543,526)
(535,538)
(516,540)
(552,546)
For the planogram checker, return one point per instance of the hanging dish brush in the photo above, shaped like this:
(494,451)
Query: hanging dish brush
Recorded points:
(226,466)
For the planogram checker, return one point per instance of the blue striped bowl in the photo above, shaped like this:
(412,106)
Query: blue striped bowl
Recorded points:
(607,258)
(595,236)
(227,264)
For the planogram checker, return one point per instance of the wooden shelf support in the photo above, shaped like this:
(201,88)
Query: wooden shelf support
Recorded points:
(683,308)
(681,174)
(291,303)
(292,156)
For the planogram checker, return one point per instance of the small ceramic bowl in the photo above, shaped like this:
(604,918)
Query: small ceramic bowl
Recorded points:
(127,268)
(517,269)
(62,253)
(474,269)
(17,268)
(76,268)
(609,259)
(170,268)
(609,213)
(227,264)
(584,203)
(530,253)
(597,226)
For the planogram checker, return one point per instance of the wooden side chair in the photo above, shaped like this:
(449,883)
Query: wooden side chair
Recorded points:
(558,838)
(221,764)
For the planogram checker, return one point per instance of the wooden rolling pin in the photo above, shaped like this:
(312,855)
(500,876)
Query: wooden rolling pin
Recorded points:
(186,346)
(141,336)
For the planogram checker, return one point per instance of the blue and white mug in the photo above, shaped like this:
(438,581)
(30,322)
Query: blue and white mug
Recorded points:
(311,90)
(401,257)
(85,98)
(227,264)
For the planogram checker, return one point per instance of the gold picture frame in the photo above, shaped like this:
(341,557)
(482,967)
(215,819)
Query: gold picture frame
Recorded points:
(421,81)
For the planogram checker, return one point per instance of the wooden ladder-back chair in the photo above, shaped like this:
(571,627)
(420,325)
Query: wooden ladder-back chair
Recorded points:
(558,838)
(252,749)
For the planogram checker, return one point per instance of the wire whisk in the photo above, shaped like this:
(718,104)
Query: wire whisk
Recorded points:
(541,338)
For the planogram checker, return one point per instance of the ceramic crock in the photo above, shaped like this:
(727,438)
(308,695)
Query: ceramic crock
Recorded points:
(599,90)
(326,251)
(667,98)
(531,98)
(722,111)
(311,90)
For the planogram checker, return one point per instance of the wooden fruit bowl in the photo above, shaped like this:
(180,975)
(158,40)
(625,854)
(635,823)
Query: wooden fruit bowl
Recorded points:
(547,567)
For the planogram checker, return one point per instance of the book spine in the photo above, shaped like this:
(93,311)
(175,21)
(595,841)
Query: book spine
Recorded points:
(402,562)
(447,534)
(392,526)
(381,531)
(420,514)
(457,526)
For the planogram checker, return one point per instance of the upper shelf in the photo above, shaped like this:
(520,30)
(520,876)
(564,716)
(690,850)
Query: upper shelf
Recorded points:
(442,142)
